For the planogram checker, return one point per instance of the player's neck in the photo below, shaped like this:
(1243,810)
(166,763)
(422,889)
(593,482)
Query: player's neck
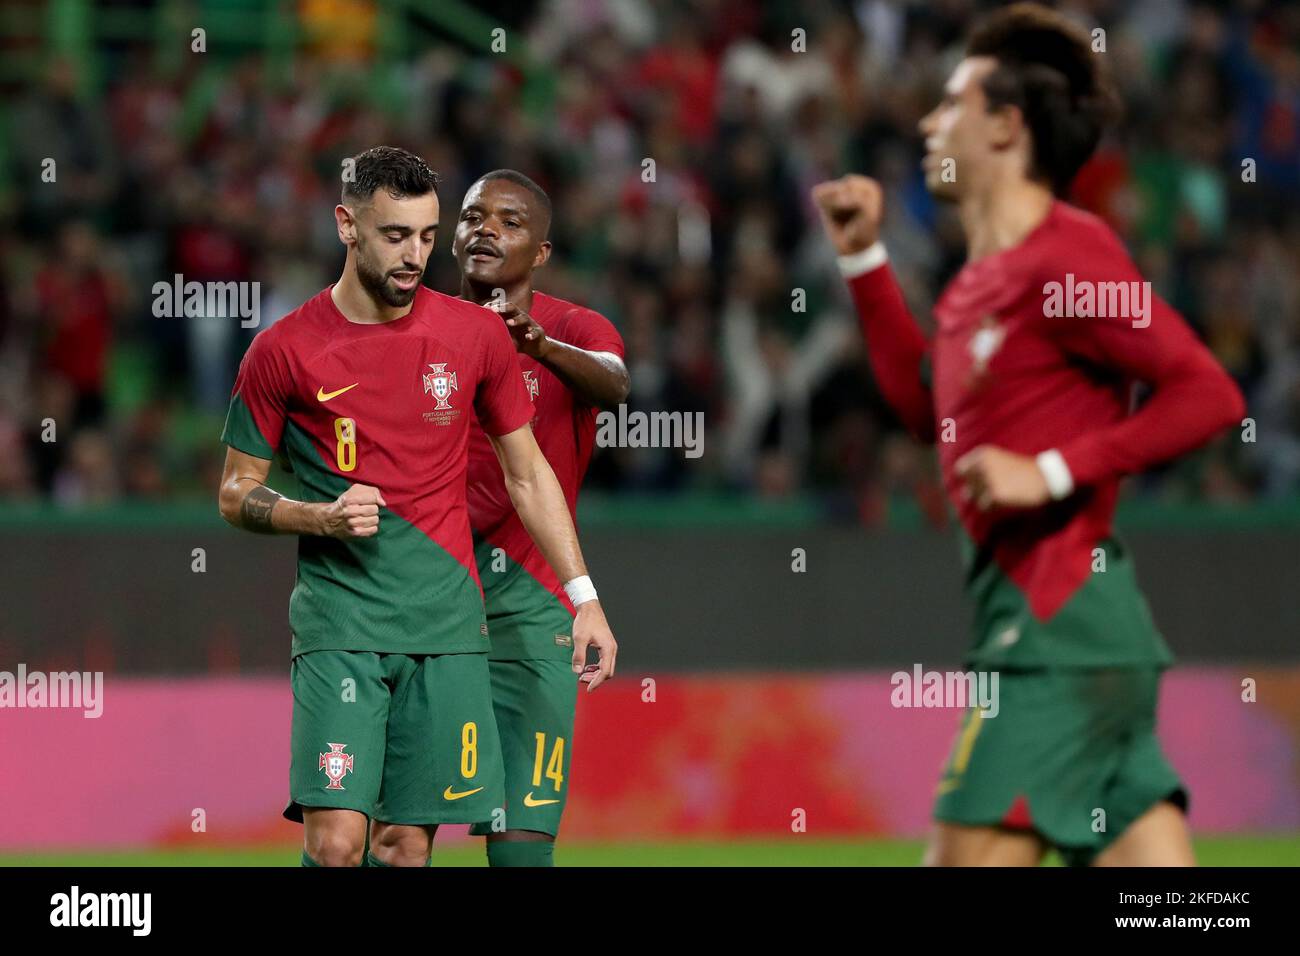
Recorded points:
(519,295)
(1000,217)
(357,305)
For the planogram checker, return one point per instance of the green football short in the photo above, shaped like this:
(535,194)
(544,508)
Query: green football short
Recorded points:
(402,738)
(1071,755)
(534,702)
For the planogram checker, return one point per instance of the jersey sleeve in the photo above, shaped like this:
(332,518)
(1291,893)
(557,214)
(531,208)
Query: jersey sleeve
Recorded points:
(258,403)
(896,348)
(1192,398)
(501,401)
(591,331)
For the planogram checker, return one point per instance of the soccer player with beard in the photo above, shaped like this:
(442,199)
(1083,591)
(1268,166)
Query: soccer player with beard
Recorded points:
(571,361)
(1031,413)
(369,390)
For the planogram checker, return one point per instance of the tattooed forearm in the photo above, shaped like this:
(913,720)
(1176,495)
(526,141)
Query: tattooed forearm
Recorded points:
(255,512)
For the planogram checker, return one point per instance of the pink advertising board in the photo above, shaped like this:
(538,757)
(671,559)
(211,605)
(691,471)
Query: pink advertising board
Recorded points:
(707,757)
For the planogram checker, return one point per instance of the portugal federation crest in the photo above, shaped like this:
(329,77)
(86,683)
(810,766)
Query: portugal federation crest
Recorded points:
(530,382)
(440,384)
(335,764)
(984,344)
(986,341)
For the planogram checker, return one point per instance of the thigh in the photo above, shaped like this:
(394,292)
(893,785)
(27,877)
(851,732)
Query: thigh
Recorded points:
(334,837)
(338,738)
(396,844)
(534,703)
(956,845)
(1159,837)
(443,762)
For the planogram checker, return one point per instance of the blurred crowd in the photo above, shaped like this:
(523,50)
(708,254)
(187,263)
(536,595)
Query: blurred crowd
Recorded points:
(708,258)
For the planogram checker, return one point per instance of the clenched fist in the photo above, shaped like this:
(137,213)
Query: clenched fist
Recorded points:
(354,514)
(851,208)
(997,478)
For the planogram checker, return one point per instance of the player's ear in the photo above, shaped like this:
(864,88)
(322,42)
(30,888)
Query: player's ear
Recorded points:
(1008,125)
(346,221)
(543,254)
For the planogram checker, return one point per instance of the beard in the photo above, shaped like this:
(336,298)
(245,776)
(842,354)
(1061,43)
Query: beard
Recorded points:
(375,281)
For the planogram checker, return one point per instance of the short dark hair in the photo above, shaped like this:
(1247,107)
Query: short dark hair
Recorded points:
(392,169)
(519,179)
(1047,69)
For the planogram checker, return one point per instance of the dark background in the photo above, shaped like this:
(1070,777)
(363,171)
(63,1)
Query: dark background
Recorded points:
(680,599)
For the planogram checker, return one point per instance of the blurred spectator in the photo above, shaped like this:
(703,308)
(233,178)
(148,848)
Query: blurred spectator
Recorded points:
(62,146)
(77,297)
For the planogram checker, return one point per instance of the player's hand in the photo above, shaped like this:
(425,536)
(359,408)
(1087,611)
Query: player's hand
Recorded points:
(591,630)
(530,338)
(354,514)
(851,208)
(997,478)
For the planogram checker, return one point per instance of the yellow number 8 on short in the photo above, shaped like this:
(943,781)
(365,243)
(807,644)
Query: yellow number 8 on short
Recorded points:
(469,749)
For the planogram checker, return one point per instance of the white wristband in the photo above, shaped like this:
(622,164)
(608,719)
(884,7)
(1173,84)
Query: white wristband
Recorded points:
(860,263)
(580,590)
(1060,483)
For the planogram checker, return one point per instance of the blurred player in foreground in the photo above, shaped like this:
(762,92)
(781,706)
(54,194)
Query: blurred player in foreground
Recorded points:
(571,363)
(1026,388)
(369,388)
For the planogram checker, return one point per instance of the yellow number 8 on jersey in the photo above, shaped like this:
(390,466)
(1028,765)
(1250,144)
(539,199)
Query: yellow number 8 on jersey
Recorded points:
(345,430)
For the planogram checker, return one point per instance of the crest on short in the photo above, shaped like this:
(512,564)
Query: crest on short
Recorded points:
(336,764)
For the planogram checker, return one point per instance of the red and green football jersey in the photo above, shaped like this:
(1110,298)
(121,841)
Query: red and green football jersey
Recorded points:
(526,604)
(1051,586)
(388,405)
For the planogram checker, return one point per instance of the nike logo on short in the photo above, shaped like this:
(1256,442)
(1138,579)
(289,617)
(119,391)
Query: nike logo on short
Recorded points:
(450,794)
(324,396)
(530,802)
